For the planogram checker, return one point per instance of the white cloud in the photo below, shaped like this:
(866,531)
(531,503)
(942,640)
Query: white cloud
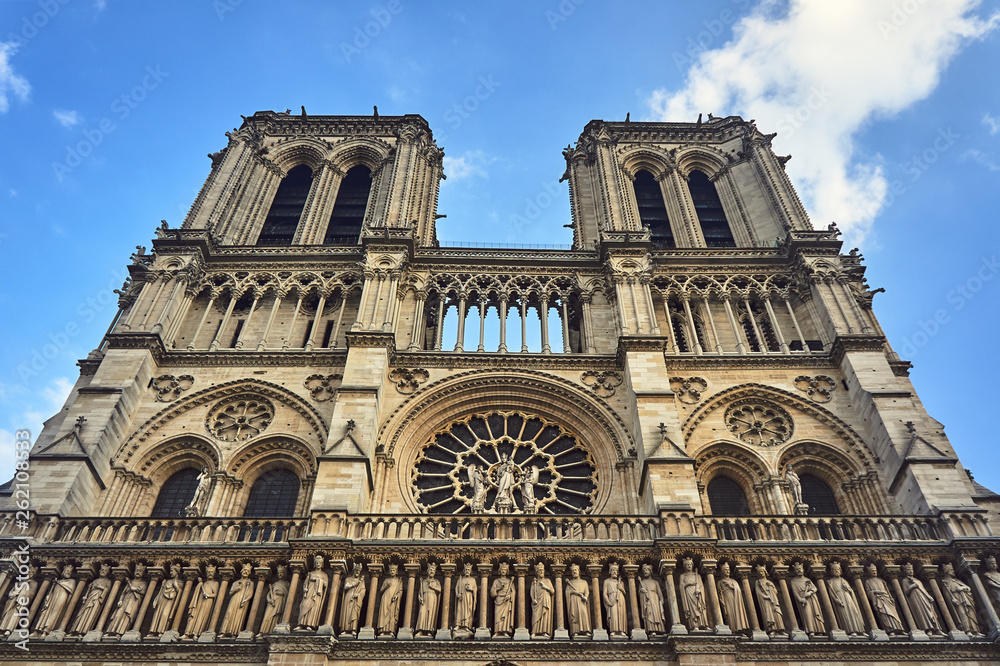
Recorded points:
(66,118)
(992,123)
(41,406)
(11,83)
(979,156)
(469,163)
(100,5)
(817,73)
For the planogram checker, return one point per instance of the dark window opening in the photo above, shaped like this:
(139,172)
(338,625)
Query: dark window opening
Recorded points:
(176,494)
(348,214)
(714,225)
(309,330)
(652,210)
(726,497)
(326,334)
(286,209)
(273,495)
(814,345)
(819,496)
(236,333)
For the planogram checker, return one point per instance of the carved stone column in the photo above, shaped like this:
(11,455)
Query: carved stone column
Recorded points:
(891,572)
(285,626)
(638,633)
(833,627)
(714,610)
(794,632)
(412,571)
(262,573)
(485,569)
(854,572)
(444,633)
(338,567)
(521,632)
(95,634)
(155,576)
(560,632)
(227,574)
(667,568)
(83,574)
(929,572)
(600,633)
(742,572)
(48,575)
(368,631)
(190,575)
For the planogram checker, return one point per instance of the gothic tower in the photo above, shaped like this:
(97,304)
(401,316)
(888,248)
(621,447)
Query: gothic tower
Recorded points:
(315,434)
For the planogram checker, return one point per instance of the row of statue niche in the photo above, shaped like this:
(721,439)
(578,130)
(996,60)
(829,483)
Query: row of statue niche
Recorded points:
(504,501)
(693,603)
(843,599)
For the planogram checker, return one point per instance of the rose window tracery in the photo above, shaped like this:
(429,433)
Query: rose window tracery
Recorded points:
(759,423)
(240,418)
(505,462)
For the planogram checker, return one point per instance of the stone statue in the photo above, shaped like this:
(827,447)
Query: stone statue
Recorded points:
(882,602)
(277,597)
(128,604)
(731,601)
(195,508)
(578,603)
(93,602)
(388,610)
(240,596)
(313,594)
(651,598)
(429,599)
(921,602)
(504,500)
(528,481)
(805,593)
(991,579)
(959,595)
(165,601)
(466,594)
(614,602)
(692,597)
(502,592)
(201,604)
(19,596)
(794,485)
(478,484)
(770,605)
(845,603)
(354,596)
(56,602)
(541,604)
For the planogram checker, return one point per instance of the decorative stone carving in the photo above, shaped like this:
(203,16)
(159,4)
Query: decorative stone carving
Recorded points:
(322,387)
(466,594)
(692,593)
(959,597)
(166,601)
(651,596)
(56,602)
(920,600)
(602,383)
(93,602)
(196,507)
(354,597)
(759,423)
(202,600)
(408,381)
(845,603)
(240,418)
(525,456)
(502,593)
(128,604)
(819,388)
(9,617)
(771,615)
(240,594)
(613,596)
(429,599)
(169,388)
(731,600)
(542,593)
(313,594)
(688,389)
(991,579)
(392,598)
(806,596)
(882,602)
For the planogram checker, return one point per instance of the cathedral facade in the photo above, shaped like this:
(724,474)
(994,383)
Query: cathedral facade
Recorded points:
(314,434)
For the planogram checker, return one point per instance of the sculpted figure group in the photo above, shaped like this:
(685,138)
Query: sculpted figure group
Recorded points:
(93,604)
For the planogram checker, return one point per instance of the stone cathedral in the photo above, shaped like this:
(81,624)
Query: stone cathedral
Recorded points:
(316,434)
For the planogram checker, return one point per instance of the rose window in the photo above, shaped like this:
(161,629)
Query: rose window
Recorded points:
(505,462)
(240,418)
(759,423)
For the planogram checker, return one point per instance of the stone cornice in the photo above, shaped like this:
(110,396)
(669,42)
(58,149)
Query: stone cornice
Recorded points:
(845,344)
(510,361)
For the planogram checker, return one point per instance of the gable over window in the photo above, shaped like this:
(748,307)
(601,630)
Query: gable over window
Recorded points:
(286,209)
(652,210)
(714,225)
(349,210)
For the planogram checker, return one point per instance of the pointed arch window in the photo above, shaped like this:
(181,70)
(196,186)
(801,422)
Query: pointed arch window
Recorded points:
(176,494)
(273,495)
(819,496)
(726,497)
(349,209)
(652,209)
(286,209)
(714,225)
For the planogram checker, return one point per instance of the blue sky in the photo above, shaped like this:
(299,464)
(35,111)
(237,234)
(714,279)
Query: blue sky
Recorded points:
(891,111)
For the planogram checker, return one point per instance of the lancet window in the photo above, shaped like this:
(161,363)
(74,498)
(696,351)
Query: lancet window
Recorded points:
(652,210)
(286,209)
(176,494)
(714,225)
(349,209)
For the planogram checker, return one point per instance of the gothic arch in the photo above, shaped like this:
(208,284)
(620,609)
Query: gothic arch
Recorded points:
(306,150)
(268,453)
(370,152)
(739,464)
(317,427)
(645,159)
(597,427)
(709,161)
(166,459)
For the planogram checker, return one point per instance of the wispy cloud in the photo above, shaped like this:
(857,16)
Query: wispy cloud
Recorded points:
(469,163)
(11,83)
(979,156)
(36,409)
(100,5)
(991,123)
(67,118)
(819,72)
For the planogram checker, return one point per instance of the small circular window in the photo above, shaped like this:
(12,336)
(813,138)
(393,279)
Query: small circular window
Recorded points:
(504,462)
(240,418)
